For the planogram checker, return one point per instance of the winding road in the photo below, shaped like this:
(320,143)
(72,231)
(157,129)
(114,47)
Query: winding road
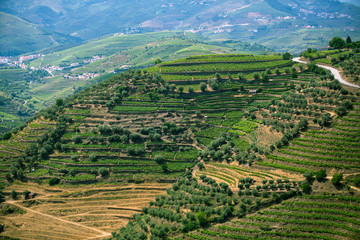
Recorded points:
(334,71)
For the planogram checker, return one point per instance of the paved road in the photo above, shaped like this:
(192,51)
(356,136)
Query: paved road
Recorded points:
(333,71)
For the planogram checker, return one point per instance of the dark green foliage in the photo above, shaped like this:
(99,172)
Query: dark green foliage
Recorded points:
(256,76)
(201,218)
(337,43)
(214,84)
(104,172)
(93,157)
(306,187)
(157,61)
(59,102)
(286,56)
(348,40)
(26,194)
(308,175)
(203,87)
(13,194)
(115,138)
(337,178)
(7,136)
(159,159)
(136,151)
(76,139)
(321,175)
(54,181)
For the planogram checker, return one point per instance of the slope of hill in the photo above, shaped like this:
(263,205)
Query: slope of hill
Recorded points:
(19,36)
(355,2)
(221,190)
(251,126)
(79,65)
(230,19)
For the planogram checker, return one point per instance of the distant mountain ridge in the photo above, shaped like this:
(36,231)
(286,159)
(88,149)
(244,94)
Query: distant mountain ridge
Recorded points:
(20,36)
(245,20)
(355,2)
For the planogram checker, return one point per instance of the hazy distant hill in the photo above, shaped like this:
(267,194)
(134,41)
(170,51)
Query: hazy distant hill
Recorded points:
(247,20)
(19,36)
(355,2)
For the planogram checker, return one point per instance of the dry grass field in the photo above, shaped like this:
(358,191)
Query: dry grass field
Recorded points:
(82,212)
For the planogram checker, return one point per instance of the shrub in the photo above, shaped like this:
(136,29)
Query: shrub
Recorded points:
(203,87)
(181,89)
(337,178)
(54,181)
(7,136)
(321,175)
(74,158)
(115,138)
(76,139)
(201,218)
(13,194)
(306,188)
(93,157)
(26,194)
(165,168)
(286,56)
(308,175)
(135,137)
(277,71)
(103,172)
(214,84)
(159,159)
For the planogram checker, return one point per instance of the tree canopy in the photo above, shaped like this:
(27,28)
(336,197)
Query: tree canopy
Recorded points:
(337,43)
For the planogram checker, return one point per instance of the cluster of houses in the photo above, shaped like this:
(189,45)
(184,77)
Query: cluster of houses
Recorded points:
(84,76)
(21,63)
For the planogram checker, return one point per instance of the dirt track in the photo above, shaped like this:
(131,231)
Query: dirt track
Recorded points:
(100,235)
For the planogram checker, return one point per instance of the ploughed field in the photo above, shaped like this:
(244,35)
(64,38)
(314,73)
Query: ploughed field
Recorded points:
(247,126)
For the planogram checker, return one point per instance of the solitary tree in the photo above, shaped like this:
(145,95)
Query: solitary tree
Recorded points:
(158,61)
(286,56)
(201,217)
(103,172)
(13,194)
(321,175)
(337,178)
(256,76)
(26,194)
(241,76)
(308,175)
(59,102)
(337,43)
(181,89)
(93,157)
(203,87)
(348,39)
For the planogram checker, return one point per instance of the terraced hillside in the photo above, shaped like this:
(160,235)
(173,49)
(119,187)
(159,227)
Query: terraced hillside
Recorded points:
(226,130)
(316,149)
(314,216)
(26,91)
(81,211)
(266,157)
